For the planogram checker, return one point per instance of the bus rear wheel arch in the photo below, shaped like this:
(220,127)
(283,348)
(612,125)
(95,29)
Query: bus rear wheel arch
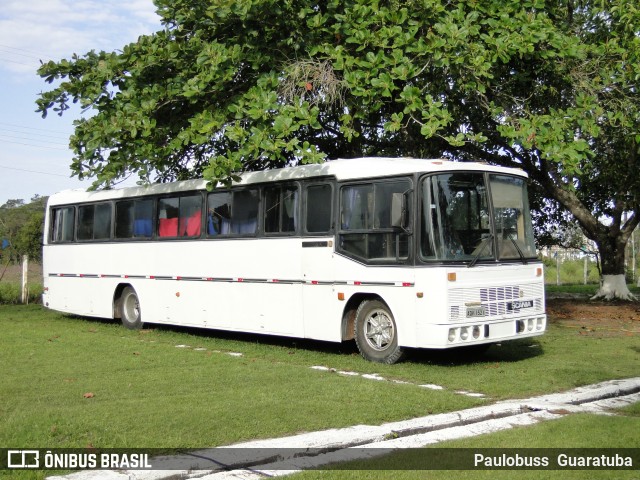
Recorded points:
(128,308)
(376,333)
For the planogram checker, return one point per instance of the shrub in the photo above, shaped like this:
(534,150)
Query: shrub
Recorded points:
(10,293)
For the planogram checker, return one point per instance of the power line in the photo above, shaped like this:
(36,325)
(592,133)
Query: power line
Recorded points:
(36,136)
(30,137)
(35,171)
(3,50)
(32,145)
(25,127)
(21,56)
(38,143)
(18,63)
(31,52)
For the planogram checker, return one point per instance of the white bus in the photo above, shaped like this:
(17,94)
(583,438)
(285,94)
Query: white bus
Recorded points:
(394,253)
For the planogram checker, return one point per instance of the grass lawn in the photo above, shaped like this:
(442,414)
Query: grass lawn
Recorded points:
(147,390)
(74,382)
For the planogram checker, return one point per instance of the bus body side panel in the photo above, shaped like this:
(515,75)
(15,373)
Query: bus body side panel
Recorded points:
(250,285)
(394,285)
(322,311)
(72,281)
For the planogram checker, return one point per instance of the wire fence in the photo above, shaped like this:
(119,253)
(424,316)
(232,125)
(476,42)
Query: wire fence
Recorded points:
(573,266)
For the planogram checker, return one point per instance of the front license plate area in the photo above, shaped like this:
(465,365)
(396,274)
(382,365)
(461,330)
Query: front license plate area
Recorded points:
(476,311)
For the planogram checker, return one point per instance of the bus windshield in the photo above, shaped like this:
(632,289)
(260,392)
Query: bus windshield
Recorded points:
(465,220)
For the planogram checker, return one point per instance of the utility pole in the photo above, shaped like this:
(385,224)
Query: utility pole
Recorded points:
(25,274)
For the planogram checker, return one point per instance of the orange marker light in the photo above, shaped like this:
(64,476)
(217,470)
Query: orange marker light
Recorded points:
(451,276)
(340,296)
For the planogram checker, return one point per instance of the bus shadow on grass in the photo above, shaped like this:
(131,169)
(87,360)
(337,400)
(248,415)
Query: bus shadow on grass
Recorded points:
(250,339)
(508,352)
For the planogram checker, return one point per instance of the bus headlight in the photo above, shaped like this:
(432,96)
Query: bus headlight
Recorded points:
(452,334)
(476,332)
(464,333)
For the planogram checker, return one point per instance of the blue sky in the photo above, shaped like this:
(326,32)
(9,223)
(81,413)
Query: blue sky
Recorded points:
(34,153)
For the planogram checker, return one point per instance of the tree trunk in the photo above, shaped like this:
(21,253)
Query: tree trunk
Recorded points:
(613,284)
(611,239)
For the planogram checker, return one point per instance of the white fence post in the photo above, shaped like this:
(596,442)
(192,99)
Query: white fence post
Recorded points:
(25,270)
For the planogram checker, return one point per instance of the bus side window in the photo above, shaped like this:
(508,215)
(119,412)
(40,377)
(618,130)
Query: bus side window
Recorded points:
(233,213)
(190,220)
(85,222)
(63,224)
(244,211)
(281,209)
(219,213)
(94,222)
(318,211)
(168,217)
(134,218)
(180,216)
(143,218)
(102,221)
(366,227)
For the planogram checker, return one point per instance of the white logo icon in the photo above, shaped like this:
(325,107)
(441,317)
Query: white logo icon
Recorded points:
(23,459)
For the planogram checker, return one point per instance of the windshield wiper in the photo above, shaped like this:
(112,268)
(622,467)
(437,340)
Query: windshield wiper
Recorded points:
(485,241)
(515,244)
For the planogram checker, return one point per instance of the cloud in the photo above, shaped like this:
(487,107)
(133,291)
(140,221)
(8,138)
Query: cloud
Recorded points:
(36,30)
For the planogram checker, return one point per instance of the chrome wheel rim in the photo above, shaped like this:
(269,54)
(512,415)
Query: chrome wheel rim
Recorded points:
(131,308)
(379,331)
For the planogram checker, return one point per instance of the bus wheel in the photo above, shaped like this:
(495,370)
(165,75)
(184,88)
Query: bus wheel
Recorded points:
(130,309)
(375,333)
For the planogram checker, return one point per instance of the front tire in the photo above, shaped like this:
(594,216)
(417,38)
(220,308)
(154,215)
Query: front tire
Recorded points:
(376,333)
(130,309)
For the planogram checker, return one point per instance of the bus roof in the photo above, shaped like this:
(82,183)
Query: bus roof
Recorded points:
(341,169)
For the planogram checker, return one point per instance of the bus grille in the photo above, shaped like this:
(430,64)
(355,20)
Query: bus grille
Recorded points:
(496,301)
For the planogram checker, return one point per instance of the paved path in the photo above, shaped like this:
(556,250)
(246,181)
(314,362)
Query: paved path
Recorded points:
(282,456)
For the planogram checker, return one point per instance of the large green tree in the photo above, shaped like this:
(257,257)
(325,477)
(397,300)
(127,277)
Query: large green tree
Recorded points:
(233,85)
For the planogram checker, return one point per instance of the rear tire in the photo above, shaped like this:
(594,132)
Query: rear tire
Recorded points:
(130,309)
(376,334)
